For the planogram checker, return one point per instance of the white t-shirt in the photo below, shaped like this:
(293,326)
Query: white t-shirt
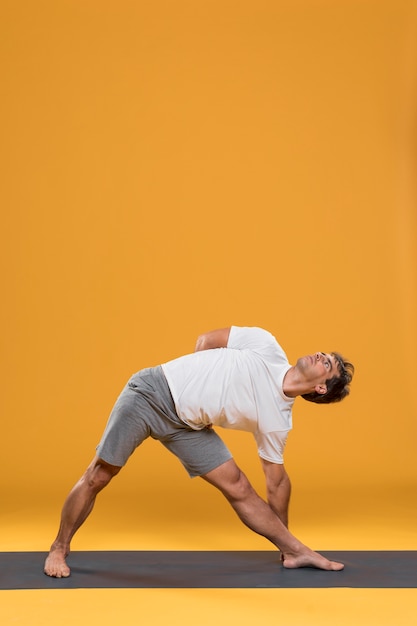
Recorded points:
(238,387)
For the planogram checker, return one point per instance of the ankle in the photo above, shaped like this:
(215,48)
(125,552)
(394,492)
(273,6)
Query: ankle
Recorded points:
(60,547)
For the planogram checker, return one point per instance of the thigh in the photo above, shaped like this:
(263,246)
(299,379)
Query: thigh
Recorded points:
(200,451)
(126,428)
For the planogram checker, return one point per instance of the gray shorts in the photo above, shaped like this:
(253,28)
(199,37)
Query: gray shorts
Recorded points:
(145,408)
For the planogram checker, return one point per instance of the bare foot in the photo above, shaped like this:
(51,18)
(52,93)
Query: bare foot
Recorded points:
(308,558)
(55,564)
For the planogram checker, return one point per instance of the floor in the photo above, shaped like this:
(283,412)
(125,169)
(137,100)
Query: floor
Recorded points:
(118,524)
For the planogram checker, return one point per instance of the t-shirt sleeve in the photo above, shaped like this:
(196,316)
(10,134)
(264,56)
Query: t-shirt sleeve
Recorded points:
(254,339)
(271,445)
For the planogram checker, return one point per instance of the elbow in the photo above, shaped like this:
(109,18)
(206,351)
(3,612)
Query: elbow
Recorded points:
(201,343)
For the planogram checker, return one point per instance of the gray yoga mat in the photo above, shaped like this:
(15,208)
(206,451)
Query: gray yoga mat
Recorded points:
(207,569)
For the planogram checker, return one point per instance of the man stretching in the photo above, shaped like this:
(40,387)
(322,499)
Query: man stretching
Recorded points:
(237,378)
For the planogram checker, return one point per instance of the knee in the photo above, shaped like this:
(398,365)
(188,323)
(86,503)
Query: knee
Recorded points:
(99,474)
(230,480)
(238,488)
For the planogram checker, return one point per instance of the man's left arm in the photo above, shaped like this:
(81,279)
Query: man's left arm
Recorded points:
(213,339)
(278,489)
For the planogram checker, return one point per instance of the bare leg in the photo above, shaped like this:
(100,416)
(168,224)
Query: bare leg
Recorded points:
(76,509)
(259,517)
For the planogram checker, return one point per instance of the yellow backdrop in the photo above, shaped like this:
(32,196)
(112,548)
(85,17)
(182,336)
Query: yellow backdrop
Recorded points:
(171,167)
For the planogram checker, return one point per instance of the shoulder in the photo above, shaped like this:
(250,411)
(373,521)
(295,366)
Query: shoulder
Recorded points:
(249,336)
(257,340)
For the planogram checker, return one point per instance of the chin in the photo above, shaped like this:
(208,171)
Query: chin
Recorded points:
(303,362)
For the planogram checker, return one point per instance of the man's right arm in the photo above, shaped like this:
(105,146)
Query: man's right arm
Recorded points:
(278,488)
(213,339)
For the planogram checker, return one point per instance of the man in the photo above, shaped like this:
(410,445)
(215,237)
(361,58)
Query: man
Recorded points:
(237,378)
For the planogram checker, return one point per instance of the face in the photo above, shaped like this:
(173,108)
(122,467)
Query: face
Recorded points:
(317,368)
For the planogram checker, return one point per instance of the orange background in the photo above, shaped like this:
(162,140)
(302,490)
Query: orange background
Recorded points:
(175,166)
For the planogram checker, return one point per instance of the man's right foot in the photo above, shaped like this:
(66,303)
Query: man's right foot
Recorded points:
(308,558)
(55,564)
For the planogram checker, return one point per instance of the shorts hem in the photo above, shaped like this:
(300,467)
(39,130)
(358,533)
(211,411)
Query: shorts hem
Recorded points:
(212,467)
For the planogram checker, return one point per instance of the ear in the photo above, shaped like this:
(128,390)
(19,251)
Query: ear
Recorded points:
(321,389)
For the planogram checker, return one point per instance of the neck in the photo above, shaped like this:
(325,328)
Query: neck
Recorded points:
(293,384)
